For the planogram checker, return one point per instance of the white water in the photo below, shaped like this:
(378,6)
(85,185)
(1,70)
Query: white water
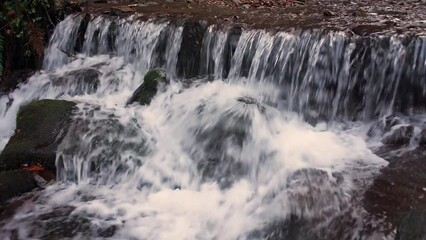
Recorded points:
(197,163)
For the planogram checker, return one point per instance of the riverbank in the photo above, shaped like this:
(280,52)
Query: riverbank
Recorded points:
(357,16)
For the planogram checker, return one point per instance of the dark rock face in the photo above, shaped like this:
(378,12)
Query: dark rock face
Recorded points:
(41,125)
(81,32)
(14,183)
(112,35)
(398,194)
(383,126)
(59,223)
(365,30)
(422,137)
(399,136)
(230,47)
(411,225)
(149,87)
(189,57)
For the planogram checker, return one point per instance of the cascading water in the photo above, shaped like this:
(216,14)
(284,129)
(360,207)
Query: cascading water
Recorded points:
(224,152)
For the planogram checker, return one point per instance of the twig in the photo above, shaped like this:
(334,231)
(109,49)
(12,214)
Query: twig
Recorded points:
(48,16)
(67,53)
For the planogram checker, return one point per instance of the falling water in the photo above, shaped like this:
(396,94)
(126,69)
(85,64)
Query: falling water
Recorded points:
(256,128)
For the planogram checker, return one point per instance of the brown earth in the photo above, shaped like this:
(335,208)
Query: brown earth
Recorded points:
(361,17)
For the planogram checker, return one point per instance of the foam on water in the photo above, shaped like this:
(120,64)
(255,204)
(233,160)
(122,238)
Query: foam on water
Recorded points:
(145,169)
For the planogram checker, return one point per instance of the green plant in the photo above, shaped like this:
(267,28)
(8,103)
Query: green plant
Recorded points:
(25,23)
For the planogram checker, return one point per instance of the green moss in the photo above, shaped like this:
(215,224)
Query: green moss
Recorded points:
(149,87)
(40,126)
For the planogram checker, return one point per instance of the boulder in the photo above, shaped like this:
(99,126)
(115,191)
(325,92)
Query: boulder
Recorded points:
(399,136)
(398,194)
(40,127)
(189,57)
(411,225)
(151,83)
(367,29)
(383,126)
(79,42)
(422,137)
(14,183)
(81,81)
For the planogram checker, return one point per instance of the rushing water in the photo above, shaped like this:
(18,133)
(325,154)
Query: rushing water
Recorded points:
(255,128)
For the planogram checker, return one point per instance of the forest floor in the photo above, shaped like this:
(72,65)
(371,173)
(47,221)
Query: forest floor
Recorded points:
(361,17)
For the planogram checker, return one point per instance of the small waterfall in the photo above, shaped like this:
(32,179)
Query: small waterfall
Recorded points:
(324,75)
(256,128)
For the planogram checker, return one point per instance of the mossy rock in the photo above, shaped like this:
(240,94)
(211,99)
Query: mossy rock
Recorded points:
(40,127)
(145,92)
(14,183)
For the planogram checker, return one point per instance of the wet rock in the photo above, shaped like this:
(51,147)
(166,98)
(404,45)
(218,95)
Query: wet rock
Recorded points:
(229,49)
(215,162)
(41,125)
(422,137)
(328,13)
(247,100)
(19,76)
(365,30)
(399,136)
(411,225)
(14,183)
(383,126)
(400,188)
(324,194)
(81,32)
(291,228)
(106,136)
(189,56)
(82,81)
(151,83)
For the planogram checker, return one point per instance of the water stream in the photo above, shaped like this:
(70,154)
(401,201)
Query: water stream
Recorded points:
(257,128)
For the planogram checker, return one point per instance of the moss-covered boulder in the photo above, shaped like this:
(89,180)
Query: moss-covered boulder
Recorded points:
(14,183)
(40,127)
(151,83)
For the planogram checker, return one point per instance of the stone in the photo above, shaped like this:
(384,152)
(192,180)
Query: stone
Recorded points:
(422,137)
(78,47)
(247,100)
(81,81)
(148,89)
(411,225)
(14,183)
(246,6)
(365,30)
(399,136)
(398,189)
(383,126)
(328,13)
(40,127)
(189,57)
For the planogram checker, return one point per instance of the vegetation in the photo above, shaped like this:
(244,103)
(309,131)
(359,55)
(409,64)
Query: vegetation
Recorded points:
(26,23)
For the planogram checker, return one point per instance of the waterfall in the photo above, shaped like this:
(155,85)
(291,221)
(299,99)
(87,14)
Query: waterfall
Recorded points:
(256,128)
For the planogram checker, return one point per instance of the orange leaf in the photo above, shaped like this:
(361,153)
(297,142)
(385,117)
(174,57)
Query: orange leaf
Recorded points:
(33,168)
